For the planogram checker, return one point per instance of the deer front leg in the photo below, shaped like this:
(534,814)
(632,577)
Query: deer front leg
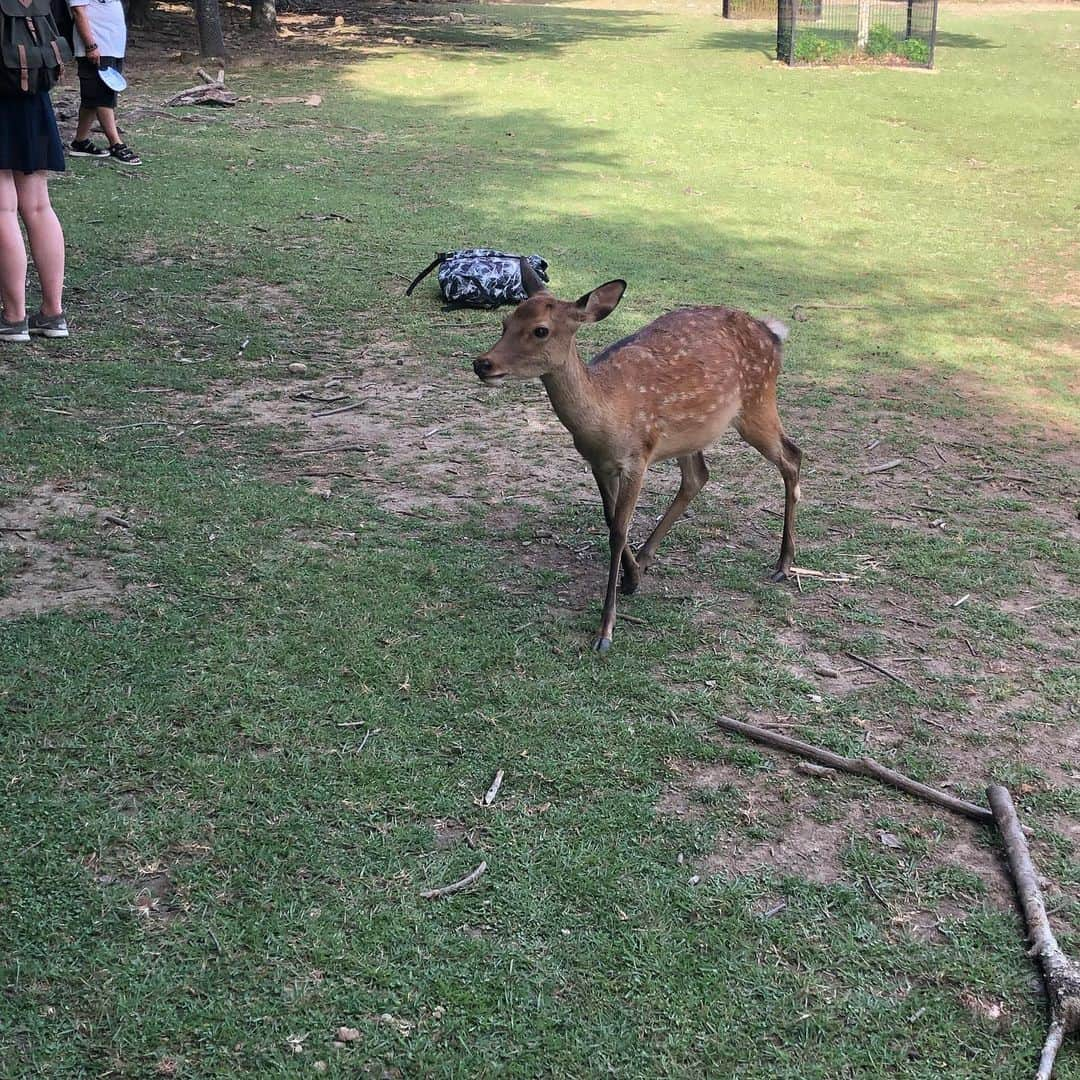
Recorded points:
(608,483)
(625,505)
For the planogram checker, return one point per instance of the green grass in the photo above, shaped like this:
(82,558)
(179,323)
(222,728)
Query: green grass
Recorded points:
(226,786)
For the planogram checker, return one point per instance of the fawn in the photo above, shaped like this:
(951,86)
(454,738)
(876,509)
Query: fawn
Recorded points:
(668,391)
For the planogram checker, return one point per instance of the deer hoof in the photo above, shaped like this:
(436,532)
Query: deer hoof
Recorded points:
(629,585)
(779,575)
(601,645)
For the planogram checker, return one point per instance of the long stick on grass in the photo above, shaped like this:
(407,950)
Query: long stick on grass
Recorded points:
(457,886)
(861,766)
(1060,973)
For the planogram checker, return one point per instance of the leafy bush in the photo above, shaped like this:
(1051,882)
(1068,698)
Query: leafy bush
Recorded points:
(813,48)
(915,51)
(881,41)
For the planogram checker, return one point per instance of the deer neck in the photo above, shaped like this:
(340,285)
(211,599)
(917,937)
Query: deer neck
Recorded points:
(577,402)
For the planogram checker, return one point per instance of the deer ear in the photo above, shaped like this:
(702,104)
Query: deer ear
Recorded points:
(531,281)
(602,301)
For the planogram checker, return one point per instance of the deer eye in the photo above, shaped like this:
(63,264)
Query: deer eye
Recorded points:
(541,331)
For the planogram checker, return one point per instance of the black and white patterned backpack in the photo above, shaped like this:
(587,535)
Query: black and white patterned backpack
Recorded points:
(480,277)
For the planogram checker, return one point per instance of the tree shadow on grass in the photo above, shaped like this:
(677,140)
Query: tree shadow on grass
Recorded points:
(479,29)
(948,40)
(523,180)
(744,40)
(309,31)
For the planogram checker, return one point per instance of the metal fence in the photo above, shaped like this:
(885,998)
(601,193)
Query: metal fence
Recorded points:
(887,31)
(750,9)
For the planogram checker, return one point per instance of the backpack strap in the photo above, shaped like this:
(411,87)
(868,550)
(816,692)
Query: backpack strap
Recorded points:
(438,260)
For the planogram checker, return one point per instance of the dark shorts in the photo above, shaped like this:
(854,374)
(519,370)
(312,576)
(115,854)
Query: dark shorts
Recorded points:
(93,93)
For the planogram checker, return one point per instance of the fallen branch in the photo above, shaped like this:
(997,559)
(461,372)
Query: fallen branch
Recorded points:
(457,886)
(1060,973)
(339,409)
(879,669)
(862,766)
(205,94)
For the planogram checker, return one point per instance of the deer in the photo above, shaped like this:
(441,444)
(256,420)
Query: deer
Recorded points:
(670,390)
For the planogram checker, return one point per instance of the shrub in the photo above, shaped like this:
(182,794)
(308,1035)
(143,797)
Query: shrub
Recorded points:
(813,48)
(914,51)
(881,41)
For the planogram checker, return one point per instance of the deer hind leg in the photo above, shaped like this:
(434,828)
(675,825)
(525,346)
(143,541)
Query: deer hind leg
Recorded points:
(623,511)
(695,475)
(760,426)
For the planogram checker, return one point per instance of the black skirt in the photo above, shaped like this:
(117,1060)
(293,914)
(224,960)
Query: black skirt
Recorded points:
(29,138)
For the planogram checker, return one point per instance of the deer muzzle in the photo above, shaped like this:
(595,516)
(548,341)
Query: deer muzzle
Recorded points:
(485,369)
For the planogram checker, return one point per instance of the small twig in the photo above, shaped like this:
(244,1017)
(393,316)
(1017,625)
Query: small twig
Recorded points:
(141,423)
(457,886)
(963,600)
(489,795)
(1060,973)
(112,519)
(879,669)
(883,467)
(344,448)
(339,409)
(861,766)
(877,896)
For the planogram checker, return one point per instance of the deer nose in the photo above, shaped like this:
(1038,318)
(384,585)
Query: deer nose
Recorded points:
(482,366)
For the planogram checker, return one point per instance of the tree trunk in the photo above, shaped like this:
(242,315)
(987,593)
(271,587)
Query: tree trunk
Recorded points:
(264,14)
(862,25)
(138,12)
(208,18)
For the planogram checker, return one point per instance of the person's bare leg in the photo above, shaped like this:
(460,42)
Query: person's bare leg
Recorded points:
(12,251)
(107,120)
(87,115)
(46,238)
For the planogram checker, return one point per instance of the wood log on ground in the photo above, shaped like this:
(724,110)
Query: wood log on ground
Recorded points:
(861,766)
(205,94)
(1060,973)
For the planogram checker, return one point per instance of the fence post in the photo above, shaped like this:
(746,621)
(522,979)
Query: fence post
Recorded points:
(862,25)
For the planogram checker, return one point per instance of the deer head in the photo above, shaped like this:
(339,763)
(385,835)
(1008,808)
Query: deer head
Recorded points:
(538,336)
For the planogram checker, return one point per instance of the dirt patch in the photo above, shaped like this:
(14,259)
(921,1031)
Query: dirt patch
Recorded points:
(416,439)
(450,834)
(42,574)
(780,821)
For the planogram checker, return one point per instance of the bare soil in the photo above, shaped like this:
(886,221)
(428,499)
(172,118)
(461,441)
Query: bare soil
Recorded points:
(47,574)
